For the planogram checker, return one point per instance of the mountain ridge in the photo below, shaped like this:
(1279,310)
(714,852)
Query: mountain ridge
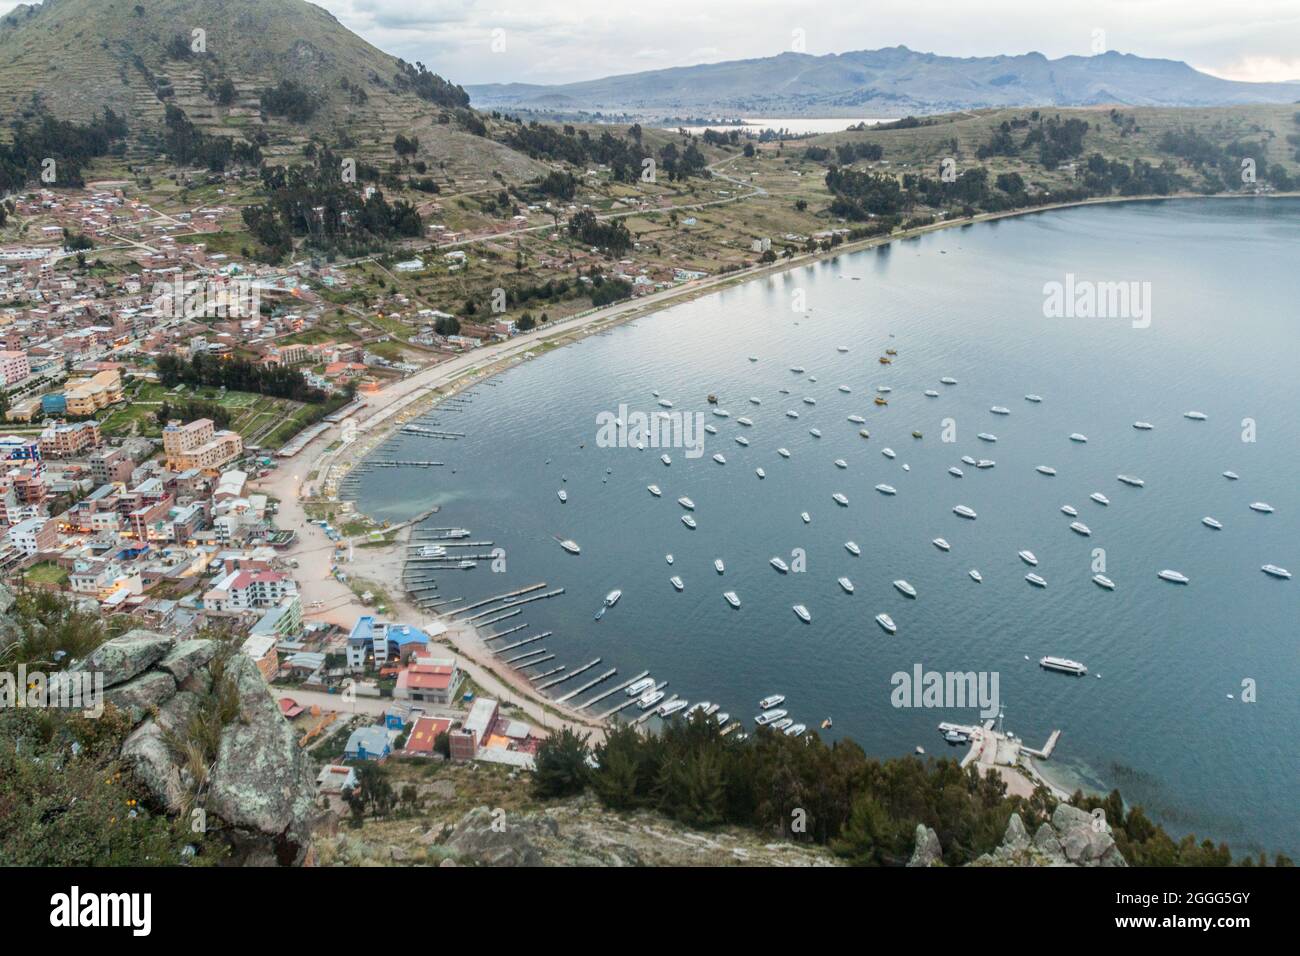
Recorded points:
(891,81)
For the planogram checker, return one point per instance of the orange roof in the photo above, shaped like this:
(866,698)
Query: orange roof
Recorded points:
(424,732)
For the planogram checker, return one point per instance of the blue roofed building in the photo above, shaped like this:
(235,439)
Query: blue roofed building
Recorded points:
(369,743)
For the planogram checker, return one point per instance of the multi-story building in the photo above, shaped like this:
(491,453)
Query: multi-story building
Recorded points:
(68,440)
(88,396)
(34,535)
(199,445)
(241,590)
(14,367)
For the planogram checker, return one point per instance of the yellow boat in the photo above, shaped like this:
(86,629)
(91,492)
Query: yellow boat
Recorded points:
(881,401)
(891,351)
(885,361)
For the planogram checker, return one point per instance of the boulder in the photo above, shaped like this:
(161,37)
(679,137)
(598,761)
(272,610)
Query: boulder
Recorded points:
(124,657)
(928,852)
(148,754)
(478,837)
(187,657)
(141,694)
(261,780)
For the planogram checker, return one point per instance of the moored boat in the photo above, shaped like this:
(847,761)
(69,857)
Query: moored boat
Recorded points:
(886,623)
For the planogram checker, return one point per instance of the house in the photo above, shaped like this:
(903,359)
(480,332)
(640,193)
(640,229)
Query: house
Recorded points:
(34,535)
(332,781)
(261,648)
(368,743)
(424,734)
(432,681)
(474,732)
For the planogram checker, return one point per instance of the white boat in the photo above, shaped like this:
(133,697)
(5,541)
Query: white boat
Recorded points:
(907,467)
(840,499)
(796,730)
(862,432)
(731,598)
(570,546)
(1098,497)
(883,389)
(1064,665)
(1029,558)
(1081,439)
(887,489)
(711,429)
(747,422)
(941,544)
(667,710)
(775,700)
(985,463)
(753,358)
(1070,510)
(841,348)
(1102,581)
(722,718)
(815,432)
(686,503)
(755,400)
(760,472)
(1143,426)
(742,440)
(664,403)
(689,522)
(888,452)
(654,490)
(457,533)
(1000,410)
(1174,577)
(805,516)
(846,584)
(857,419)
(987,436)
(841,463)
(809,401)
(967,460)
(1081,528)
(791,413)
(722,413)
(665,459)
(612,597)
(887,623)
(964,511)
(1275,571)
(1035,580)
(640,687)
(852,548)
(797,369)
(668,558)
(1262,507)
(976,576)
(696,708)
(1212,523)
(779,565)
(905,588)
(1231,475)
(433,551)
(719,566)
(1033,398)
(784,724)
(845,389)
(719,458)
(783,452)
(677,582)
(955,472)
(769,716)
(948,380)
(1045,470)
(649,699)
(562,495)
(931,393)
(801,613)
(1195,416)
(1130,480)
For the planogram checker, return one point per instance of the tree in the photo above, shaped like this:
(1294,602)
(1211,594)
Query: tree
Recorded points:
(561,762)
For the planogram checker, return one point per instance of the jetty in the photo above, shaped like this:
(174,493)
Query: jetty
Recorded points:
(588,686)
(575,673)
(613,690)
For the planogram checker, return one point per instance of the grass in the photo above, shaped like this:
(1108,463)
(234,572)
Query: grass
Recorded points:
(46,574)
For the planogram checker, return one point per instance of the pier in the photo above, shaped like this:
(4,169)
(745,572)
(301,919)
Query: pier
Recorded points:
(629,702)
(575,673)
(614,690)
(502,597)
(528,600)
(588,686)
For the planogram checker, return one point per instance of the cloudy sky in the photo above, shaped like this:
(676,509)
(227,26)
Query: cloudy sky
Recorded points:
(557,41)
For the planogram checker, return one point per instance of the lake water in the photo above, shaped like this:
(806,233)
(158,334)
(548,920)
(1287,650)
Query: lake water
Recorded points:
(797,125)
(967,303)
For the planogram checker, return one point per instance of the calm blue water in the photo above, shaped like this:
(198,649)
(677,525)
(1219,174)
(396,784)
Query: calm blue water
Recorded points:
(966,303)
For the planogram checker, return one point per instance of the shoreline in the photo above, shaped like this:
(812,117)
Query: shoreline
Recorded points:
(320,466)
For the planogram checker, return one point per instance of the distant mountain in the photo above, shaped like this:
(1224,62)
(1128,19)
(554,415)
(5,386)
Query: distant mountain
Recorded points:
(894,81)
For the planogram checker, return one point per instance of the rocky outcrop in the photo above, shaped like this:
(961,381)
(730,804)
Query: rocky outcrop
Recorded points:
(1072,838)
(258,790)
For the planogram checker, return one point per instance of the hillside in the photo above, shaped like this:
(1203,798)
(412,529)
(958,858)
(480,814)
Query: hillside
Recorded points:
(889,82)
(73,58)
